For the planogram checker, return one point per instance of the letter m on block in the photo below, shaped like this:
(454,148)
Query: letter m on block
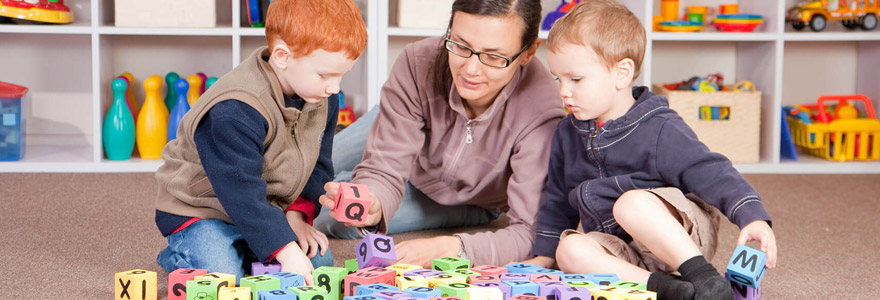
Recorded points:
(746,266)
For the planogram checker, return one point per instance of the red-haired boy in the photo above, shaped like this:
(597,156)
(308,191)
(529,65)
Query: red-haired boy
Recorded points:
(241,182)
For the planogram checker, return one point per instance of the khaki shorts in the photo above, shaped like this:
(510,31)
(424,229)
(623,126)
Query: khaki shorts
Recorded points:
(700,221)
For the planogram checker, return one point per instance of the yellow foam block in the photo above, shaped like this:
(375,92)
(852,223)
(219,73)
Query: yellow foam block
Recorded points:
(135,284)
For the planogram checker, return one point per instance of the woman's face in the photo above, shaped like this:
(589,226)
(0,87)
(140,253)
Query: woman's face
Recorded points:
(476,82)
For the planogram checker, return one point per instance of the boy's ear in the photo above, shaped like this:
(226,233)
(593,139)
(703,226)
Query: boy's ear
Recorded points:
(527,55)
(280,55)
(625,71)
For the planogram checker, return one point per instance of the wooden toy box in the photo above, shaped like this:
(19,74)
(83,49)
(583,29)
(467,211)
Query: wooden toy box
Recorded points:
(165,13)
(424,14)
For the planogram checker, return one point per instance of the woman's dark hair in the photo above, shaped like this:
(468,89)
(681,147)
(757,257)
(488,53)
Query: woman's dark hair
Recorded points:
(528,10)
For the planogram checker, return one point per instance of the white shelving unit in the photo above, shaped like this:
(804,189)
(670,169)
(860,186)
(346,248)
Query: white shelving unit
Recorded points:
(789,67)
(68,69)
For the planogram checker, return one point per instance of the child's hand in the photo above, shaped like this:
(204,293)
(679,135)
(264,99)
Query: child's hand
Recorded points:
(760,231)
(541,261)
(293,260)
(310,239)
(328,200)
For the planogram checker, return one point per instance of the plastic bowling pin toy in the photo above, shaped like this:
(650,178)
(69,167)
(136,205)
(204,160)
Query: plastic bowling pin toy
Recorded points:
(180,108)
(195,81)
(131,106)
(171,94)
(152,127)
(129,94)
(210,82)
(118,131)
(204,78)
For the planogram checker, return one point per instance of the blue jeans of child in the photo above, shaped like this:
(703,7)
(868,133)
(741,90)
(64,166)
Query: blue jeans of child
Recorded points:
(216,246)
(417,211)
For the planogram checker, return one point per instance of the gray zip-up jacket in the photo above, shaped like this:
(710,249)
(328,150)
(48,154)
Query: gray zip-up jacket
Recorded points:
(648,147)
(497,161)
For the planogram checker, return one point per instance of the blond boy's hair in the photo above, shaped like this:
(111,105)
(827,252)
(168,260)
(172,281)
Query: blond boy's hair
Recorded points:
(608,27)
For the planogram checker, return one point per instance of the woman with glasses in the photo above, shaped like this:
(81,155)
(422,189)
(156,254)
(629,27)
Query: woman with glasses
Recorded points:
(461,135)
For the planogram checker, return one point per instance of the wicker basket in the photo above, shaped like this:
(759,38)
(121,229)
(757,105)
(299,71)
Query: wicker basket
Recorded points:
(739,137)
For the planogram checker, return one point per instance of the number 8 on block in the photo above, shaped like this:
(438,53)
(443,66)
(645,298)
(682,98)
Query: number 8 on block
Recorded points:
(352,203)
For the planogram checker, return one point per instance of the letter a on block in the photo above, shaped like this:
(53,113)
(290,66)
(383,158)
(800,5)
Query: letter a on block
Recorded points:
(352,203)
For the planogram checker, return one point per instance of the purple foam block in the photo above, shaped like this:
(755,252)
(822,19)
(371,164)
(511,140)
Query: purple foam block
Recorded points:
(505,289)
(571,293)
(259,268)
(546,288)
(515,276)
(423,272)
(376,250)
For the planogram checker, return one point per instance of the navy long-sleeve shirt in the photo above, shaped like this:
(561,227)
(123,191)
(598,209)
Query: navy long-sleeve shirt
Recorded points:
(229,140)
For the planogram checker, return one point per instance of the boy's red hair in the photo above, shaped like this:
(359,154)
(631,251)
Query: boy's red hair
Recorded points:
(308,25)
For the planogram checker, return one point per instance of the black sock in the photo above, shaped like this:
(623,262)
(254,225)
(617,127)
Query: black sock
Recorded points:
(708,284)
(670,287)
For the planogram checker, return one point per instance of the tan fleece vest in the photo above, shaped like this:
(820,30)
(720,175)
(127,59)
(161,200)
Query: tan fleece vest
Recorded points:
(291,146)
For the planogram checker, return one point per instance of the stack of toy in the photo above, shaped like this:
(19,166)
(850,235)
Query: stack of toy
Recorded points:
(737,22)
(838,132)
(156,122)
(13,114)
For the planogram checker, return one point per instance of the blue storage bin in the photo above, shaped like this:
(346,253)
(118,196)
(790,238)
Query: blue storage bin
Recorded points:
(12,121)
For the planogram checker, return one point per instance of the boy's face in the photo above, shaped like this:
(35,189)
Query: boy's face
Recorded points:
(586,86)
(316,76)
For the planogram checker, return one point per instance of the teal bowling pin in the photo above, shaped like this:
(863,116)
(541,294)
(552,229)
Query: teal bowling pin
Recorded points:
(118,133)
(180,108)
(171,94)
(210,82)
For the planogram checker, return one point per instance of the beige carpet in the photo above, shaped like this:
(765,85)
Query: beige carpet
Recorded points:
(65,235)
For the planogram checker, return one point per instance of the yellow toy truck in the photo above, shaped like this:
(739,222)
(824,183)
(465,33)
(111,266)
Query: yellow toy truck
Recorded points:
(817,13)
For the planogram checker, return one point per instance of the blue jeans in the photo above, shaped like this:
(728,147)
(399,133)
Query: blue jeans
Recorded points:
(417,211)
(216,246)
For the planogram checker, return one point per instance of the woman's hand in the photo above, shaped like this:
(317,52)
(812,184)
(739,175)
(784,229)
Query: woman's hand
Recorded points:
(328,200)
(420,252)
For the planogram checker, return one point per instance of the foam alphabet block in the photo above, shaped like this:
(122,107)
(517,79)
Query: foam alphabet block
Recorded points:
(423,292)
(309,292)
(747,266)
(235,293)
(402,269)
(584,284)
(366,277)
(521,268)
(330,278)
(391,295)
(423,272)
(744,292)
(445,298)
(489,270)
(574,277)
(474,279)
(260,283)
(571,293)
(352,203)
(177,282)
(634,294)
(135,284)
(546,288)
(504,288)
(352,265)
(450,263)
(484,293)
(367,297)
(515,276)
(538,277)
(466,273)
(454,290)
(376,250)
(259,268)
(603,291)
(370,289)
(276,295)
(437,280)
(604,278)
(222,279)
(547,271)
(201,289)
(521,287)
(405,282)
(288,279)
(527,297)
(630,285)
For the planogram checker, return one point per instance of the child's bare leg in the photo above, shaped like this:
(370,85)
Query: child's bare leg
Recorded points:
(657,225)
(578,253)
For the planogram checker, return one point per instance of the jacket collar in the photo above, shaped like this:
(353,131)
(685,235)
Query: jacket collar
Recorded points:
(457,104)
(646,105)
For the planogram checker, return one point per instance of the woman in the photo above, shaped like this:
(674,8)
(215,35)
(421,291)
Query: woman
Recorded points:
(461,135)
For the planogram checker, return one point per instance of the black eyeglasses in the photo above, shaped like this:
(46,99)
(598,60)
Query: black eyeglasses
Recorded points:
(489,59)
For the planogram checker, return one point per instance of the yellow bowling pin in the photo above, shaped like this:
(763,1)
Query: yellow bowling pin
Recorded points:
(195,82)
(129,94)
(152,125)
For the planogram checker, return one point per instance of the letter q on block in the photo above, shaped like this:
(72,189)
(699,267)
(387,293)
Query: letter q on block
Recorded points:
(747,266)
(352,203)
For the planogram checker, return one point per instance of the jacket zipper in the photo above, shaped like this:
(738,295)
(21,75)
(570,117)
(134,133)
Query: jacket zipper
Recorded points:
(595,154)
(469,138)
